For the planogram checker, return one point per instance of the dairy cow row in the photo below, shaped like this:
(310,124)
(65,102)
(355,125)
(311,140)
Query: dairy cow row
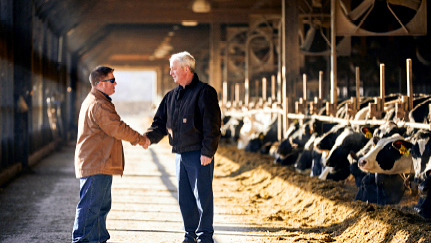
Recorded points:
(383,159)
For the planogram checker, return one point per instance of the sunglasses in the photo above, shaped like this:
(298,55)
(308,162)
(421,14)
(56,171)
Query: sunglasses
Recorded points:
(112,80)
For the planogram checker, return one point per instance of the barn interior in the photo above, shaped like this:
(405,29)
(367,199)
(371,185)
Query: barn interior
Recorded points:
(48,48)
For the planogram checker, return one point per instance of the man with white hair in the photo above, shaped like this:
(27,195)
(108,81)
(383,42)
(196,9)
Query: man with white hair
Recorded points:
(191,116)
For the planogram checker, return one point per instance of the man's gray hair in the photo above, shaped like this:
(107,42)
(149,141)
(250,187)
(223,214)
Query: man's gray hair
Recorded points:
(185,59)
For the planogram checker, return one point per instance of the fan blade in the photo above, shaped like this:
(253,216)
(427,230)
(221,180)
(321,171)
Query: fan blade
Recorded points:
(412,4)
(360,9)
(309,37)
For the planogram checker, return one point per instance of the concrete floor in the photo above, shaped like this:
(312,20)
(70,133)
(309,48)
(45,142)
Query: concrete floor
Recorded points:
(39,206)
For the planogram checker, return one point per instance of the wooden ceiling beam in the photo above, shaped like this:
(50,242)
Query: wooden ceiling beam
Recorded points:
(171,16)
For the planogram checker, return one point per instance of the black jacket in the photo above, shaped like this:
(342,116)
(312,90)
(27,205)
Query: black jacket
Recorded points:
(192,118)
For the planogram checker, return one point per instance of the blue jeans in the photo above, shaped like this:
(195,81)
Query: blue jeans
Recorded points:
(195,196)
(92,209)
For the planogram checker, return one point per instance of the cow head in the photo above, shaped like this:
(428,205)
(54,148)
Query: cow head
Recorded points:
(302,135)
(327,140)
(346,142)
(390,156)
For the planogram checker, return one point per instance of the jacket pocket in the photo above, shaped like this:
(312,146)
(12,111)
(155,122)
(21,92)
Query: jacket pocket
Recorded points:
(189,130)
(114,158)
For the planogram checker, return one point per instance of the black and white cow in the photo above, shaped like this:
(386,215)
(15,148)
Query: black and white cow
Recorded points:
(296,137)
(305,160)
(302,141)
(286,153)
(423,207)
(266,137)
(389,156)
(230,129)
(421,153)
(301,136)
(324,144)
(258,128)
(299,142)
(376,133)
(381,189)
(373,187)
(337,166)
(376,188)
(420,111)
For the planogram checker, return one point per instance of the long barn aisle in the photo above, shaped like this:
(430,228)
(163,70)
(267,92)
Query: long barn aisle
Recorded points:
(39,206)
(255,201)
(144,199)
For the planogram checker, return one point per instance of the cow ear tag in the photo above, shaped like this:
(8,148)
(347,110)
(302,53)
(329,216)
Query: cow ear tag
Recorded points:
(401,148)
(367,132)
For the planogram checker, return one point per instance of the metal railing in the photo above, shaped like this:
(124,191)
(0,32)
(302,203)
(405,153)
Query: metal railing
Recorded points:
(305,110)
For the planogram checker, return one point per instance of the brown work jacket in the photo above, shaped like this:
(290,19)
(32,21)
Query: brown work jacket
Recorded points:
(99,149)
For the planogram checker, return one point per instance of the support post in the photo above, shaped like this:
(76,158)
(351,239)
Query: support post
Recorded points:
(409,83)
(320,85)
(301,105)
(382,87)
(376,109)
(224,95)
(403,107)
(256,88)
(331,107)
(358,94)
(215,60)
(232,95)
(273,88)
(317,103)
(246,92)
(333,53)
(237,95)
(22,32)
(279,88)
(290,52)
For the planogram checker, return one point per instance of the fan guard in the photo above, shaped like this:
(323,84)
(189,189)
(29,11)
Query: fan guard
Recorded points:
(402,18)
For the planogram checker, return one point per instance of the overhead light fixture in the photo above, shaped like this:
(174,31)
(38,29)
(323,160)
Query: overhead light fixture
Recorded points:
(163,49)
(70,32)
(201,6)
(189,22)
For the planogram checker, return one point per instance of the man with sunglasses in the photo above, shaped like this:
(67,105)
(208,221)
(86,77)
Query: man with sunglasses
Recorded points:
(99,155)
(191,116)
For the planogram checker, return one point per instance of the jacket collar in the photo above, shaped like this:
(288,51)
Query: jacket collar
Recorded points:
(195,80)
(99,94)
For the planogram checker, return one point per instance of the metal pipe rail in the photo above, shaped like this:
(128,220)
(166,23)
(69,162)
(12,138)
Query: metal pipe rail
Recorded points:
(402,107)
(246,112)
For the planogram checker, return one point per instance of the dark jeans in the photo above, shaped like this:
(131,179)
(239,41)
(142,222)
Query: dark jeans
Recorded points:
(92,209)
(195,196)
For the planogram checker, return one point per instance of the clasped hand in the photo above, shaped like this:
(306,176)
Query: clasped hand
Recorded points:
(145,142)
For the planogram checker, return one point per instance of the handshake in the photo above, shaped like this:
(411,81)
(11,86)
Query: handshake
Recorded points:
(144,141)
